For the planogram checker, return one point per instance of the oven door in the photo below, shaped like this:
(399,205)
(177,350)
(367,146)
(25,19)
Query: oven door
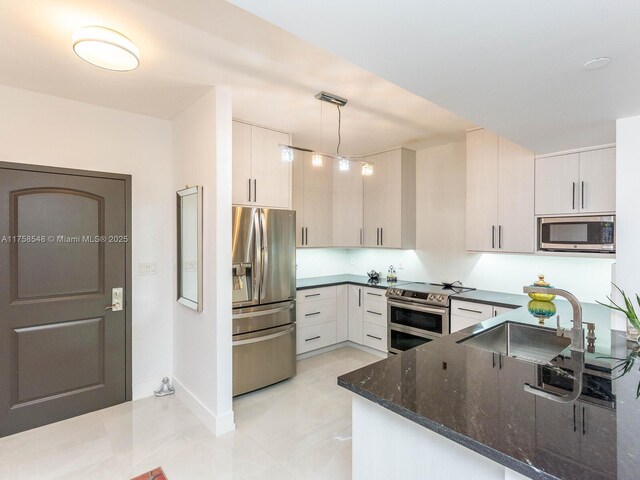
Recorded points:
(433,321)
(402,339)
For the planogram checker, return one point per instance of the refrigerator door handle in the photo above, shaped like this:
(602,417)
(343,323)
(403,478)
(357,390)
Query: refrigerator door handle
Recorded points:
(257,272)
(264,252)
(264,338)
(261,313)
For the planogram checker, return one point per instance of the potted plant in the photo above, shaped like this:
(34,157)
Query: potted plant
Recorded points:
(633,323)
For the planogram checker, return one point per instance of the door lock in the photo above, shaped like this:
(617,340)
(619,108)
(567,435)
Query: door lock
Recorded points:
(116,300)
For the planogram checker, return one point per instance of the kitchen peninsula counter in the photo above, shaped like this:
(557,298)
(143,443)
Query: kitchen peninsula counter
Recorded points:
(466,396)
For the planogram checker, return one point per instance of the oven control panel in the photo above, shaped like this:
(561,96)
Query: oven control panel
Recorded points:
(421,297)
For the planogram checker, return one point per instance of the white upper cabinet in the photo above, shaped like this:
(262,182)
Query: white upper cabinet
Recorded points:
(390,200)
(576,183)
(313,201)
(347,206)
(500,195)
(516,177)
(598,181)
(260,177)
(482,188)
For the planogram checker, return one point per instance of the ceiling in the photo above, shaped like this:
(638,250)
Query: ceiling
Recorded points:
(190,45)
(513,67)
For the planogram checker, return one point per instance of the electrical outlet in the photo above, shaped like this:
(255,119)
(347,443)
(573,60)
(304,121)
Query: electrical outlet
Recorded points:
(147,269)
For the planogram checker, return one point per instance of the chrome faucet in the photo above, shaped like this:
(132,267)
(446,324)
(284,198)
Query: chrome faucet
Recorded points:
(576,333)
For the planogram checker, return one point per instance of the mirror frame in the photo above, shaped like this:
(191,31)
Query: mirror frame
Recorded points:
(180,194)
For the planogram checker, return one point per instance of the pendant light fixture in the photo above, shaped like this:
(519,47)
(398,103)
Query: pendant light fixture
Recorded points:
(106,48)
(317,158)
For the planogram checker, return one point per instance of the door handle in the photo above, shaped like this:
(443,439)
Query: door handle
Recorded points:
(249,189)
(582,194)
(381,236)
(493,236)
(469,310)
(255,190)
(573,196)
(377,236)
(116,300)
(312,338)
(374,313)
(373,336)
(359,297)
(311,314)
(361,240)
(499,237)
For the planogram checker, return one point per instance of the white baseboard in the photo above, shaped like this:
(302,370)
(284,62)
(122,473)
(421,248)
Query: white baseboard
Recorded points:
(218,424)
(145,389)
(335,346)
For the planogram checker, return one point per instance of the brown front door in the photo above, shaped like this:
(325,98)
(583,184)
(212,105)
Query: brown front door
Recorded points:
(63,248)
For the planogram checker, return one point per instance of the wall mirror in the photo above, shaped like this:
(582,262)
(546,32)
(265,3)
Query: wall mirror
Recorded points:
(190,247)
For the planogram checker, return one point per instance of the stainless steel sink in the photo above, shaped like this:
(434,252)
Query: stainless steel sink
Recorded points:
(527,342)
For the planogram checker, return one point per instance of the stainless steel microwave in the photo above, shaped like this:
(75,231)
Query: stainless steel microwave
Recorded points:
(577,234)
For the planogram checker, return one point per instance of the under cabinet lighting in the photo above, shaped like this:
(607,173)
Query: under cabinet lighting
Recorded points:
(316,160)
(343,165)
(287,154)
(367,170)
(106,48)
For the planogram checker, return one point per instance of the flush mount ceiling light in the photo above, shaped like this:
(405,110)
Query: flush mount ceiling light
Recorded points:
(597,63)
(106,48)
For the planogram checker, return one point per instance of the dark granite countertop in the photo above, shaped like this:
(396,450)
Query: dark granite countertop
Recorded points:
(476,398)
(507,300)
(330,280)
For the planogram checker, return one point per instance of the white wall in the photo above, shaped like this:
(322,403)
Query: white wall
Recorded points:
(440,253)
(202,341)
(44,130)
(313,262)
(627,274)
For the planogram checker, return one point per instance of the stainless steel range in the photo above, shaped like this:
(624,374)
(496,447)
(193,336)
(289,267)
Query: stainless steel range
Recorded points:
(419,313)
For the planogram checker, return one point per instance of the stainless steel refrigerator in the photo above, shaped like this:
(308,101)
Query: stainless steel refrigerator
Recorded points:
(264,292)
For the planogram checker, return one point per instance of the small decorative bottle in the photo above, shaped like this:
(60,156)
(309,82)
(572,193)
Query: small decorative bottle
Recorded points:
(391,275)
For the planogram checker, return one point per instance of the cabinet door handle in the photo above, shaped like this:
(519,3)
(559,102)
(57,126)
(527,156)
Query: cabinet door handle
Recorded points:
(312,338)
(374,313)
(374,294)
(499,237)
(377,236)
(584,422)
(381,236)
(469,310)
(311,314)
(573,196)
(361,239)
(373,336)
(312,295)
(249,189)
(493,236)
(255,190)
(359,297)
(582,194)
(306,236)
(575,426)
(493,359)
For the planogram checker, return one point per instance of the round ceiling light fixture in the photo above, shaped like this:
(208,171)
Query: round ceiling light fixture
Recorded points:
(597,63)
(106,48)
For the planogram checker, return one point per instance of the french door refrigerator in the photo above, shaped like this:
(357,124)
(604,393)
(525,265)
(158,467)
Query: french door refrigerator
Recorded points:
(264,292)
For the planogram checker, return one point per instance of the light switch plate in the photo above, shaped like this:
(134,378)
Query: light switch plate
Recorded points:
(148,268)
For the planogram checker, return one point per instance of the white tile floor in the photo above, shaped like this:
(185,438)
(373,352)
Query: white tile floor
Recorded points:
(298,429)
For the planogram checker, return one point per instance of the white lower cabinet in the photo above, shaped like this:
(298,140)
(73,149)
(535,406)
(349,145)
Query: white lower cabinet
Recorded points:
(465,314)
(356,313)
(374,336)
(316,336)
(329,315)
